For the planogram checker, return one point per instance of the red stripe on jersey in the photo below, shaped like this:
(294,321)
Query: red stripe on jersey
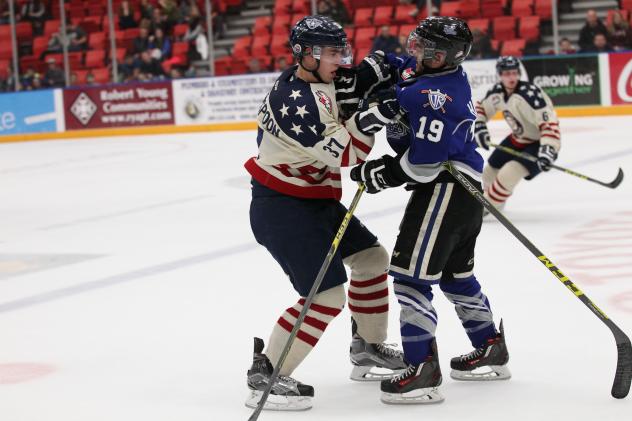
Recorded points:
(329,311)
(305,192)
(362,146)
(345,157)
(313,322)
(503,195)
(284,169)
(305,337)
(497,199)
(517,144)
(369,282)
(370,296)
(369,310)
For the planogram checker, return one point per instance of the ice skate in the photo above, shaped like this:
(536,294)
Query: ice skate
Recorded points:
(417,385)
(488,362)
(373,362)
(287,393)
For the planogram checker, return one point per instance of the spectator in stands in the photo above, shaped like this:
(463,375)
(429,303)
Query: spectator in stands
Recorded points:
(146,9)
(150,68)
(600,45)
(566,47)
(74,79)
(54,76)
(385,41)
(195,36)
(126,68)
(421,4)
(592,27)
(188,9)
(159,20)
(5,13)
(254,66)
(619,33)
(34,11)
(90,78)
(175,73)
(36,82)
(77,38)
(280,64)
(160,45)
(141,42)
(219,23)
(171,11)
(126,16)
(334,9)
(27,78)
(403,43)
(481,46)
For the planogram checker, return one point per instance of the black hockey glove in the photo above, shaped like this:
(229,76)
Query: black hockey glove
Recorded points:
(371,118)
(546,157)
(378,174)
(481,134)
(373,74)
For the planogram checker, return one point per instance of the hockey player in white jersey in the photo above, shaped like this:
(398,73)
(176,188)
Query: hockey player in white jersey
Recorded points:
(534,125)
(295,209)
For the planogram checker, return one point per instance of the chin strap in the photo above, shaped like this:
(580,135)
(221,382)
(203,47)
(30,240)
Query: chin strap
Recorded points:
(313,72)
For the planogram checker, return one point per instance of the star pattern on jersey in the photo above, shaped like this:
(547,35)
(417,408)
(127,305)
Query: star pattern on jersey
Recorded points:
(295,94)
(301,111)
(313,129)
(296,128)
(283,111)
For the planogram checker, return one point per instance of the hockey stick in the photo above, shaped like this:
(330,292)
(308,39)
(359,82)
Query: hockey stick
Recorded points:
(308,300)
(613,184)
(623,375)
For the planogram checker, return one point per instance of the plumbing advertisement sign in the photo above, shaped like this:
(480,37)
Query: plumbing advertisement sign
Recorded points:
(220,99)
(568,80)
(620,78)
(30,112)
(146,104)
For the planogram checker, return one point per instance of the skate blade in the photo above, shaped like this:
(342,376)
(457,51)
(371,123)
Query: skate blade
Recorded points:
(363,373)
(427,396)
(486,373)
(279,403)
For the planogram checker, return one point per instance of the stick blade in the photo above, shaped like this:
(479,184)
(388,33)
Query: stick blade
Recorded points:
(623,376)
(618,179)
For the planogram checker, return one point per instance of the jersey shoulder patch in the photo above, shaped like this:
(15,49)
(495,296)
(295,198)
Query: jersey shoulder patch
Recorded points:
(532,94)
(496,89)
(296,112)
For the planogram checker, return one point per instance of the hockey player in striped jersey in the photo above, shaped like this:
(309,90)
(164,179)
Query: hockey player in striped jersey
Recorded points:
(438,232)
(534,125)
(295,209)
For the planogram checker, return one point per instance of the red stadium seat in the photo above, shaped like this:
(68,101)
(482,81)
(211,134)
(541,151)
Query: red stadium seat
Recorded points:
(406,29)
(451,8)
(180,48)
(520,8)
(361,53)
(238,67)
(626,4)
(101,75)
(364,37)
(504,28)
(383,15)
(221,68)
(543,9)
(95,59)
(481,24)
(301,6)
(513,47)
(180,30)
(241,47)
(470,9)
(491,8)
(530,28)
(260,46)
(279,45)
(496,45)
(51,26)
(40,44)
(625,14)
(363,17)
(402,14)
(96,40)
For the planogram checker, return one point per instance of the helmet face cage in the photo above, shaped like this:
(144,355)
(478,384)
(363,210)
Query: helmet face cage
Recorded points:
(421,48)
(341,55)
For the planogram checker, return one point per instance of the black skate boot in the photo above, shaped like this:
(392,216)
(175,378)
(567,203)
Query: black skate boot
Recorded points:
(417,385)
(488,362)
(287,393)
(373,362)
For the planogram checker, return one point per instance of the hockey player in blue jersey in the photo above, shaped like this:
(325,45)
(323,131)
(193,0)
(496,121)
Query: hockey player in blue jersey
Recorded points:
(437,235)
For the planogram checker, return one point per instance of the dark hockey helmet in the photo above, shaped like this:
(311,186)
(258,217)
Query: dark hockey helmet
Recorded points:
(442,33)
(507,63)
(319,31)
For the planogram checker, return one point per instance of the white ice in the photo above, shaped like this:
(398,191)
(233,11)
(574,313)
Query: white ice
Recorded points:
(131,286)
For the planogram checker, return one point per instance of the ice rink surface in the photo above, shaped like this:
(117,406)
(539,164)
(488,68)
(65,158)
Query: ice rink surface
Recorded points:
(131,286)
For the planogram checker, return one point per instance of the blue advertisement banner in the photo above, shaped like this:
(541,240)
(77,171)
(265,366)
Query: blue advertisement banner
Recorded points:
(28,112)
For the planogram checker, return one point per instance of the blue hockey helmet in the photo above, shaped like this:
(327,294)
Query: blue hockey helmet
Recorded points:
(316,32)
(449,35)
(507,63)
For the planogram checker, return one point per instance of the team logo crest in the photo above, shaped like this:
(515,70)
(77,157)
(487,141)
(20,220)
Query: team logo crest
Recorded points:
(408,73)
(325,100)
(449,29)
(436,99)
(313,23)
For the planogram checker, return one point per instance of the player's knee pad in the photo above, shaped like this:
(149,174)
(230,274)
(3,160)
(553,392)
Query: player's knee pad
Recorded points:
(368,263)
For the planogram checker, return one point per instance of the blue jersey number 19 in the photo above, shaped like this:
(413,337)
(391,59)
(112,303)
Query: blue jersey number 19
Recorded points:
(435,129)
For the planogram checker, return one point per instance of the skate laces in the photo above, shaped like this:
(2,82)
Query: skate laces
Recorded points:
(388,349)
(473,355)
(406,373)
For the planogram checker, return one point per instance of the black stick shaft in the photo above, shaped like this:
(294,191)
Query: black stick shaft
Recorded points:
(623,376)
(308,301)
